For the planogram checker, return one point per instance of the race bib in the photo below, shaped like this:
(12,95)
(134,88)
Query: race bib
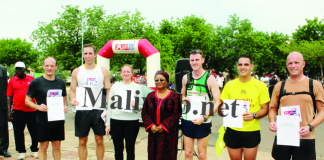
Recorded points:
(91,81)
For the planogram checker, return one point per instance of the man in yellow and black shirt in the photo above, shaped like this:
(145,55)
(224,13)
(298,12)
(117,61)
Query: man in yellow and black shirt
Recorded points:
(245,141)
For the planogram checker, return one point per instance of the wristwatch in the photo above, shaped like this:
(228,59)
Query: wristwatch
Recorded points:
(255,115)
(205,119)
(311,128)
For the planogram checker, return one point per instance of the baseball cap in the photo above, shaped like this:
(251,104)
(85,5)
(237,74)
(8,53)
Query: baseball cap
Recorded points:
(20,64)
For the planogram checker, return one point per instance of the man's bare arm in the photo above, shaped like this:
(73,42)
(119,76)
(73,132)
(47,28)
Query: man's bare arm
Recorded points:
(74,84)
(214,88)
(264,110)
(107,84)
(183,89)
(29,103)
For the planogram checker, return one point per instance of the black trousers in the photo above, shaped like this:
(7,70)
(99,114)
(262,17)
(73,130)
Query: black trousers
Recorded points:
(4,133)
(124,129)
(19,122)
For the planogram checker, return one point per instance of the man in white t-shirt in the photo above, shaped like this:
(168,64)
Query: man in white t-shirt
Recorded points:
(265,79)
(220,80)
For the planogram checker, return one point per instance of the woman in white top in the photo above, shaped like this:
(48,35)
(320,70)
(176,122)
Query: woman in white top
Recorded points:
(125,100)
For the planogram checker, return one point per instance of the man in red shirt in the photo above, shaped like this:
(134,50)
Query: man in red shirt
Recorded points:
(20,114)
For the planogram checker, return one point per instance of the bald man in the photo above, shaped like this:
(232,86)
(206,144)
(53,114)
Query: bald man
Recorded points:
(298,82)
(42,88)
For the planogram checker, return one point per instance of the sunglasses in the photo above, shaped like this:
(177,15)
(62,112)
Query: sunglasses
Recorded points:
(196,51)
(161,80)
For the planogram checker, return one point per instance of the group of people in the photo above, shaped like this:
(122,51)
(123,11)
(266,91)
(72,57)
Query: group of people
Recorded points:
(161,110)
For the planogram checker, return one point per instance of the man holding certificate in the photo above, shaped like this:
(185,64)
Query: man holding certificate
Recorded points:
(295,101)
(89,90)
(50,95)
(251,97)
(198,89)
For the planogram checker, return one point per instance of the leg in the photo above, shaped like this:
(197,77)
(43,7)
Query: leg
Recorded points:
(56,145)
(235,154)
(83,152)
(117,131)
(250,153)
(4,133)
(189,147)
(32,128)
(19,123)
(100,149)
(132,129)
(202,147)
(42,152)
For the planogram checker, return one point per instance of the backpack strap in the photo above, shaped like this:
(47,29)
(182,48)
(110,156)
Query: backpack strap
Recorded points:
(207,88)
(281,93)
(311,90)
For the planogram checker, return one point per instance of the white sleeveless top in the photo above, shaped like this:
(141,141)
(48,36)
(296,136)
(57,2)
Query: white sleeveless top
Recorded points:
(93,79)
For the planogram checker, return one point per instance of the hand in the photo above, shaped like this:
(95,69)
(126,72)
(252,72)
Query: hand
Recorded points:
(66,109)
(107,129)
(74,102)
(198,121)
(304,131)
(273,126)
(248,116)
(154,129)
(10,116)
(160,129)
(133,104)
(185,99)
(42,108)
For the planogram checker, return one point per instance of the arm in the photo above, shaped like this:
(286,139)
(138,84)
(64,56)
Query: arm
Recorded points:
(274,108)
(66,109)
(183,90)
(73,85)
(109,109)
(212,83)
(106,81)
(29,103)
(9,104)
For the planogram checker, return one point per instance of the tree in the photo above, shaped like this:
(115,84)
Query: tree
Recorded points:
(62,37)
(314,30)
(13,50)
(313,52)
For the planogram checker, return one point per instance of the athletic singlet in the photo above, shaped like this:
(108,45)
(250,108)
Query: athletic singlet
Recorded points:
(93,79)
(194,90)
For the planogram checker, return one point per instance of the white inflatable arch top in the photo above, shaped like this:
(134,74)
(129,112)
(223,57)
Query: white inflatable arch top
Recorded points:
(142,46)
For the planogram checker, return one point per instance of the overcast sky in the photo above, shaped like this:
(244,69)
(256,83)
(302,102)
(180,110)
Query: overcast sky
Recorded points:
(18,18)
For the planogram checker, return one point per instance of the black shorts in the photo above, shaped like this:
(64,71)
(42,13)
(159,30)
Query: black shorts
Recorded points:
(305,151)
(84,120)
(49,134)
(195,131)
(239,139)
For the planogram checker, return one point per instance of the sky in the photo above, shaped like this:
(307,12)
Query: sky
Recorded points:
(19,18)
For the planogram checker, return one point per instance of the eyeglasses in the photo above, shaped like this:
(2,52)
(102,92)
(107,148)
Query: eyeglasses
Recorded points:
(161,80)
(196,51)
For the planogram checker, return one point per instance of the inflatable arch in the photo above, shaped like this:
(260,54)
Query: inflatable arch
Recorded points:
(142,46)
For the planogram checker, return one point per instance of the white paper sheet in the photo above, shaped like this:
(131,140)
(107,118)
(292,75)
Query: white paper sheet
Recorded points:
(195,107)
(291,111)
(55,110)
(288,130)
(123,93)
(229,120)
(80,97)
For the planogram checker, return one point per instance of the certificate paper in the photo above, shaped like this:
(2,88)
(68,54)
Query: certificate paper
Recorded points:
(195,109)
(233,121)
(127,96)
(80,97)
(288,130)
(55,110)
(291,111)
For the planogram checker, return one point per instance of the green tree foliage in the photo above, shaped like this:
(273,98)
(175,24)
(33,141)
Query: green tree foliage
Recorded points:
(13,50)
(313,52)
(313,30)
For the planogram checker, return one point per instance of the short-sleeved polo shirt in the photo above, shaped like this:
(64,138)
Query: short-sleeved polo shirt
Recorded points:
(17,88)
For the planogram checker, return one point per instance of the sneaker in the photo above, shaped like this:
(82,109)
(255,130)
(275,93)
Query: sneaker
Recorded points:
(35,154)
(22,156)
